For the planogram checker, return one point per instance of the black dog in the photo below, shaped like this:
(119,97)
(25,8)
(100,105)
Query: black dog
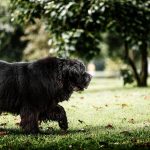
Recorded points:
(34,89)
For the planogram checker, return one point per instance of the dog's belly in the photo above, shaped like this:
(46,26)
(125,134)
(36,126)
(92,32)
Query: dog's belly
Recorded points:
(9,105)
(62,95)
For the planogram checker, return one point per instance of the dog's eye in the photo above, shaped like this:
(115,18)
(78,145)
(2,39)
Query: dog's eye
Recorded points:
(83,73)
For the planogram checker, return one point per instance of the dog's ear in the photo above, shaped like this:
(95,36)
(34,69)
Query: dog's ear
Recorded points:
(72,69)
(73,73)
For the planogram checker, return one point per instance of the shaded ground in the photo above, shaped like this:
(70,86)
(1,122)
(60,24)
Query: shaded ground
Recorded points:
(106,116)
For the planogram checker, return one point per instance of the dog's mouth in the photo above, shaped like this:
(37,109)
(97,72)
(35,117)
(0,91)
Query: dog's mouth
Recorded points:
(84,83)
(78,88)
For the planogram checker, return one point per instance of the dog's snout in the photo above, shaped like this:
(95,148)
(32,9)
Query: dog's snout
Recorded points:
(87,79)
(88,76)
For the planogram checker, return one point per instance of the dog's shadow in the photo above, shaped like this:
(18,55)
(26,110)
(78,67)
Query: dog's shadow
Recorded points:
(17,131)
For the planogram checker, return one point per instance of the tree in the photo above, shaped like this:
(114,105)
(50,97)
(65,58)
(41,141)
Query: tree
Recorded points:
(131,19)
(76,26)
(11,45)
(37,38)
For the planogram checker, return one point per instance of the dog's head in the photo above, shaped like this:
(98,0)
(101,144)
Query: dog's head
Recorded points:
(77,75)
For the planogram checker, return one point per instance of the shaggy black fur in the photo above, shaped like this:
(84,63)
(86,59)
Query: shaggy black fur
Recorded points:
(34,89)
(56,114)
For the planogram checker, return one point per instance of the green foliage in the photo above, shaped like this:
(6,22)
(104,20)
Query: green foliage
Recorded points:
(131,19)
(73,42)
(11,45)
(127,76)
(115,45)
(81,22)
(37,38)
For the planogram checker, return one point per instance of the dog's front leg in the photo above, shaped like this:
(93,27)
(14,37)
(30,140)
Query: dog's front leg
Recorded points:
(56,114)
(59,114)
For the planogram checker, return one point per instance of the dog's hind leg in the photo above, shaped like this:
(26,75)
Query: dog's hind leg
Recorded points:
(29,121)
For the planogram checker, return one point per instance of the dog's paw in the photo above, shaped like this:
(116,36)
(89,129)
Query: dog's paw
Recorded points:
(64,132)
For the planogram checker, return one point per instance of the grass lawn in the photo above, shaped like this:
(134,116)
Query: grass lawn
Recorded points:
(106,116)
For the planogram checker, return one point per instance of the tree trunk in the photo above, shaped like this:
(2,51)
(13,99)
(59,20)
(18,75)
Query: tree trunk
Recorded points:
(141,78)
(144,64)
(132,64)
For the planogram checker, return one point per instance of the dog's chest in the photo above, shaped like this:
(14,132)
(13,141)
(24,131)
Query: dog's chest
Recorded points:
(63,94)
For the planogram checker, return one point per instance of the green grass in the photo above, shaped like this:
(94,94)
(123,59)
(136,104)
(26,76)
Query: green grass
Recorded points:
(106,116)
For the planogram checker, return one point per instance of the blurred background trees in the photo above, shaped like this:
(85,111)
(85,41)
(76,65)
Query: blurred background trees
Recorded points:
(11,45)
(119,29)
(21,42)
(37,38)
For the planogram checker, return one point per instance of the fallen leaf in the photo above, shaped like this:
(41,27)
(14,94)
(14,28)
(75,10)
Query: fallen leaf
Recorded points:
(82,130)
(132,121)
(16,119)
(124,105)
(146,124)
(81,121)
(127,133)
(82,97)
(2,133)
(4,114)
(103,144)
(147,97)
(117,96)
(109,126)
(97,108)
(18,124)
(3,124)
(74,106)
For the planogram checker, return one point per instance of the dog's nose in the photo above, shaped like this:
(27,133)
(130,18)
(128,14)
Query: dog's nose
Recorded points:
(90,76)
